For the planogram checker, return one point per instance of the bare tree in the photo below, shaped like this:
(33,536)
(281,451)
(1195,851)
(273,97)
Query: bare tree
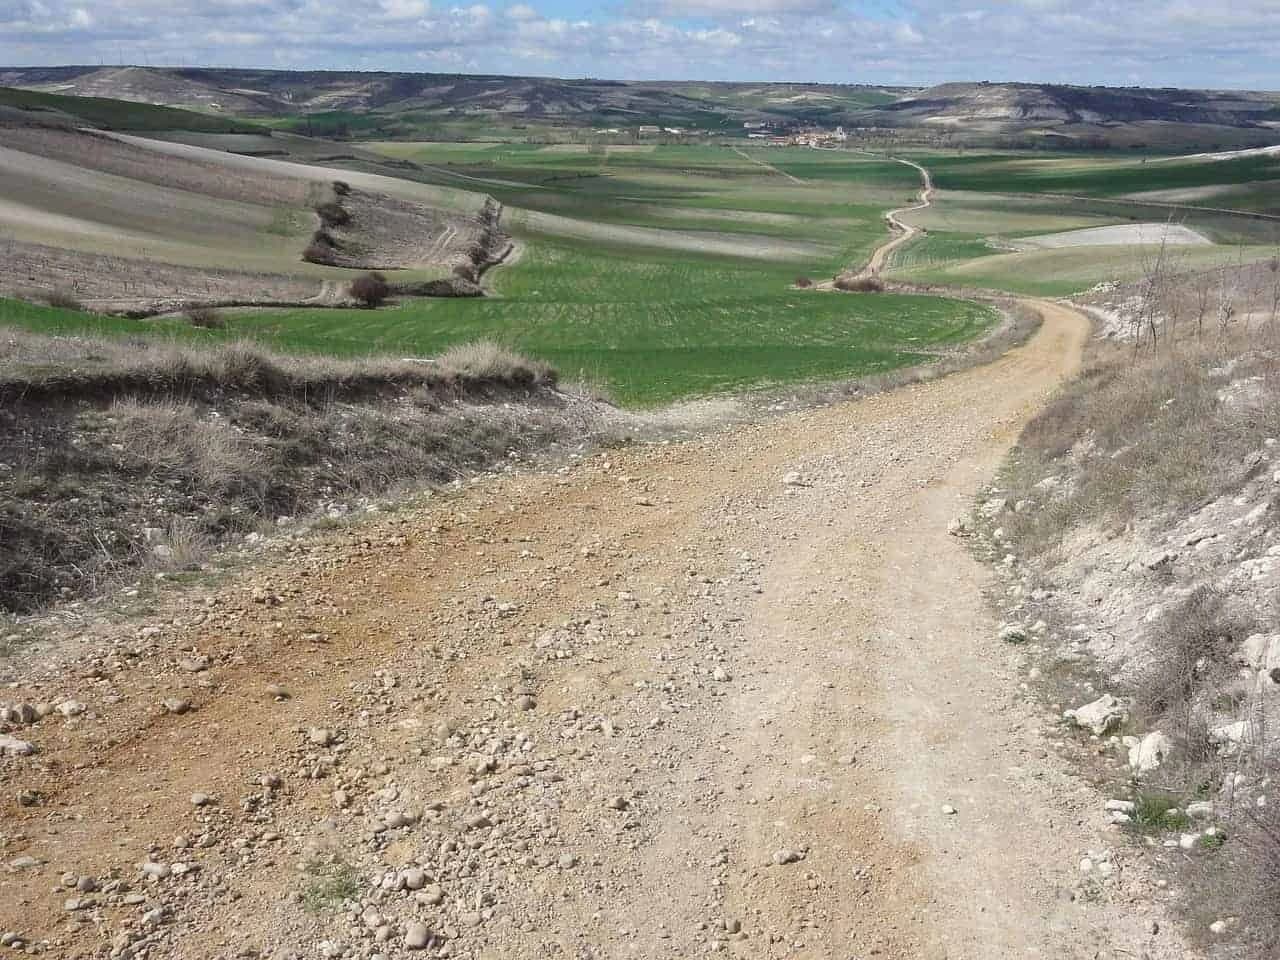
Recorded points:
(1273,266)
(1202,286)
(1157,268)
(1228,289)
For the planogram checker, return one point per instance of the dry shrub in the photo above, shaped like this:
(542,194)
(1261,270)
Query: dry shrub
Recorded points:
(1140,437)
(320,253)
(205,317)
(58,297)
(860,284)
(172,440)
(341,188)
(326,239)
(1188,658)
(333,214)
(455,286)
(1255,869)
(370,290)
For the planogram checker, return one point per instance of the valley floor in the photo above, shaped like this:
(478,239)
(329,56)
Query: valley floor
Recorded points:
(739,694)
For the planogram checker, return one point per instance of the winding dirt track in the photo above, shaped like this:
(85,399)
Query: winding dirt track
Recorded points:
(903,231)
(618,695)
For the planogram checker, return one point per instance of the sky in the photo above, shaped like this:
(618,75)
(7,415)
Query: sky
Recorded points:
(1232,44)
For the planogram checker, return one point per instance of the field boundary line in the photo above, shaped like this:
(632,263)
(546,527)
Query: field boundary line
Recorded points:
(768,166)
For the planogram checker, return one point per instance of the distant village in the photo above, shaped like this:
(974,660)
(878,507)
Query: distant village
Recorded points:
(761,131)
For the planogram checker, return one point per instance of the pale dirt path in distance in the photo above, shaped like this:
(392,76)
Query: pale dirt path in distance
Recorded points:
(905,230)
(722,667)
(902,232)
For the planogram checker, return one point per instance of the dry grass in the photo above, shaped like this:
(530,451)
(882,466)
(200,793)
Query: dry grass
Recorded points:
(102,440)
(1143,436)
(487,361)
(35,367)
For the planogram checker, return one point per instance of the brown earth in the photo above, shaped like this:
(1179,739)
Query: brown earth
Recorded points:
(610,699)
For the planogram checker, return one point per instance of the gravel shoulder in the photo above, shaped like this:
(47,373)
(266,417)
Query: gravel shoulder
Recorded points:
(706,696)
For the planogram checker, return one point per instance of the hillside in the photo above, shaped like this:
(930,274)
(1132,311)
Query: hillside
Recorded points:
(1088,115)
(121,223)
(388,104)
(391,106)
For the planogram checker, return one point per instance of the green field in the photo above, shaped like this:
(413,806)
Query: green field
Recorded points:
(118,114)
(658,273)
(1098,176)
(987,203)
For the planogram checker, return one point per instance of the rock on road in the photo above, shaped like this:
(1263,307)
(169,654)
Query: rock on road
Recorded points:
(658,704)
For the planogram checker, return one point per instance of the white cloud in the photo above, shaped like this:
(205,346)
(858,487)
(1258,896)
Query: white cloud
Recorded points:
(906,33)
(404,9)
(1163,41)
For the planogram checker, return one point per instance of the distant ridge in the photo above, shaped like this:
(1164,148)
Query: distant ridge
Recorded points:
(403,105)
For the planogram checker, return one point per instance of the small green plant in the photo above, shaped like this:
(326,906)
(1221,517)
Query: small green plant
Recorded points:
(1212,841)
(329,884)
(1158,813)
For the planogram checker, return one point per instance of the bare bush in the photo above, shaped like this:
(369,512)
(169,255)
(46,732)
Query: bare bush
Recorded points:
(58,297)
(455,286)
(320,253)
(205,317)
(333,214)
(1254,871)
(1187,659)
(869,284)
(370,290)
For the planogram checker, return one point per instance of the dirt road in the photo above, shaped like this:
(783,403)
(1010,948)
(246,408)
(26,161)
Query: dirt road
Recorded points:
(704,697)
(901,231)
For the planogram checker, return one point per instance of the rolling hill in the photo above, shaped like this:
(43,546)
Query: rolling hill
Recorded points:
(409,106)
(383,103)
